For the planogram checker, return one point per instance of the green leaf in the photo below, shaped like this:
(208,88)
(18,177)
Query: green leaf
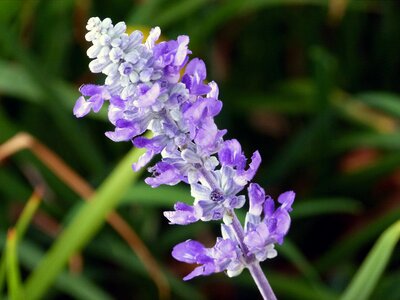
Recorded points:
(15,81)
(327,205)
(162,196)
(373,266)
(77,286)
(84,225)
(387,102)
(385,141)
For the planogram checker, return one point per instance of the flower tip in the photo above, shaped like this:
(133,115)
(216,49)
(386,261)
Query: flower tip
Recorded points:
(81,107)
(286,200)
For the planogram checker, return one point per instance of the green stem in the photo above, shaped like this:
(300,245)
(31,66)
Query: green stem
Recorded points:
(13,275)
(21,226)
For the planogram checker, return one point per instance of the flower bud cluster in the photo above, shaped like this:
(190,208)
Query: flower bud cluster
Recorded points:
(152,86)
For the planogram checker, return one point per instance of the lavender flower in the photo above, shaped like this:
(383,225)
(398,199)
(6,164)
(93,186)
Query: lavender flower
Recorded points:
(224,256)
(146,92)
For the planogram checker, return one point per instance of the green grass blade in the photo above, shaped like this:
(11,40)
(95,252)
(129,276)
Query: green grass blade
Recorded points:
(13,274)
(162,196)
(27,214)
(22,224)
(387,102)
(15,81)
(321,206)
(373,266)
(385,141)
(3,269)
(77,286)
(83,226)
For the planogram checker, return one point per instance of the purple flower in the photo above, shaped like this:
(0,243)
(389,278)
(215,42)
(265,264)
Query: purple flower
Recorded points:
(147,95)
(201,109)
(224,256)
(215,201)
(208,137)
(286,200)
(259,243)
(171,56)
(184,214)
(145,91)
(231,155)
(97,96)
(164,173)
(262,232)
(154,146)
(256,199)
(194,76)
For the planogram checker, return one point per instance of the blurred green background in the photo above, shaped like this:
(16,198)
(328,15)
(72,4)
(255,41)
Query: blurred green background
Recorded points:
(313,84)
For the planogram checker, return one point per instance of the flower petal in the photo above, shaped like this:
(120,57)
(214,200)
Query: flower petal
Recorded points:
(189,251)
(184,214)
(81,107)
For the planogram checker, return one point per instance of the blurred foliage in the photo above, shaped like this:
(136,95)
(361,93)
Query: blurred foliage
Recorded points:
(313,84)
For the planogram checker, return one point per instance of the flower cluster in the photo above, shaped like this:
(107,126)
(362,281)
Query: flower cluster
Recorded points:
(152,86)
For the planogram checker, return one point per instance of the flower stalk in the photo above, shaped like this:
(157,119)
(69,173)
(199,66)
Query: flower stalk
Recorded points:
(261,281)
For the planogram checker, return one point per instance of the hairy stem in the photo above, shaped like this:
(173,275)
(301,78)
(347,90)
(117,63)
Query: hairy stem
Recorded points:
(261,281)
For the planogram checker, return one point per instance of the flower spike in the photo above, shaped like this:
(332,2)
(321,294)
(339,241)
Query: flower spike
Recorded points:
(146,92)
